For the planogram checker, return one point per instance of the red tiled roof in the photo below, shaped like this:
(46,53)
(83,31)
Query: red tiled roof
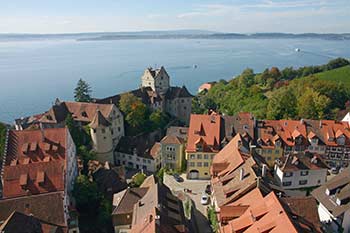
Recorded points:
(229,158)
(172,139)
(263,213)
(35,162)
(53,144)
(33,178)
(206,128)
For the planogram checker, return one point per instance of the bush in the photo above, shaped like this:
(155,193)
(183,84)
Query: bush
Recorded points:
(213,219)
(138,179)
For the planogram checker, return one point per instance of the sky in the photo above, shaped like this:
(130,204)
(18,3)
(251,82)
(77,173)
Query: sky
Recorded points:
(240,16)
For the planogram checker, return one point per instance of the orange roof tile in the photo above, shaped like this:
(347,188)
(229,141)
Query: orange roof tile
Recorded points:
(56,137)
(229,158)
(206,128)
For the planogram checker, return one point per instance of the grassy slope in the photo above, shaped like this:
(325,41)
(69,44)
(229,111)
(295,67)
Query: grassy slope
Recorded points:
(337,75)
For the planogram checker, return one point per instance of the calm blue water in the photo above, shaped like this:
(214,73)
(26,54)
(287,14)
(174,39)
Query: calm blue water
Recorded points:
(33,74)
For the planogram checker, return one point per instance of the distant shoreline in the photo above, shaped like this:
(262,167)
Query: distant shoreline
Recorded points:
(103,36)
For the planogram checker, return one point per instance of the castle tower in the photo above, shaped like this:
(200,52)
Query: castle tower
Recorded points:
(157,79)
(101,134)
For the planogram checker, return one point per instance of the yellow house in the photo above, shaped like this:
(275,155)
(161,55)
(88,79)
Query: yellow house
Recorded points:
(172,152)
(203,143)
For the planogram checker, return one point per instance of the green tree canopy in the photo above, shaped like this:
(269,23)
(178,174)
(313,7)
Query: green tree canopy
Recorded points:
(312,105)
(82,93)
(138,114)
(126,101)
(86,194)
(282,104)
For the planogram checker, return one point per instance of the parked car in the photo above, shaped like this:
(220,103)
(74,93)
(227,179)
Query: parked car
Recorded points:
(178,178)
(205,199)
(334,170)
(208,189)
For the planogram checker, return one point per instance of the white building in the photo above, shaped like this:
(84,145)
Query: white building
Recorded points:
(140,152)
(300,171)
(334,202)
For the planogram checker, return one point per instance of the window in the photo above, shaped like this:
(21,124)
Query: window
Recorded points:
(192,164)
(144,160)
(112,132)
(269,151)
(199,156)
(288,183)
(192,156)
(199,164)
(277,152)
(118,129)
(94,130)
(103,130)
(205,173)
(304,173)
(206,156)
(182,101)
(302,182)
(149,161)
(288,174)
(206,164)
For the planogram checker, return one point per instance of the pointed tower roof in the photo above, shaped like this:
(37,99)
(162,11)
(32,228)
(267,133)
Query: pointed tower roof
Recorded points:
(99,120)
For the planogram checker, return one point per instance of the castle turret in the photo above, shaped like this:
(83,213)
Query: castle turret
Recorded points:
(101,133)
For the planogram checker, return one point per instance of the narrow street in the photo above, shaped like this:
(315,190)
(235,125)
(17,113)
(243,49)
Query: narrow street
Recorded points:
(198,188)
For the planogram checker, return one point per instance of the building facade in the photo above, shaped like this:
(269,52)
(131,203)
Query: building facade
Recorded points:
(204,137)
(38,163)
(105,121)
(301,170)
(172,152)
(156,92)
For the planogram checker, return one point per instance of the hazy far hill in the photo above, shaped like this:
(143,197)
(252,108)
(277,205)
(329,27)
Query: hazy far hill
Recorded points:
(169,34)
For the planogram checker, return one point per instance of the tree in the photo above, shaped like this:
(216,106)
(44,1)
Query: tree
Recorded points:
(86,194)
(282,104)
(126,101)
(138,179)
(86,155)
(138,114)
(246,79)
(158,119)
(82,93)
(3,130)
(312,105)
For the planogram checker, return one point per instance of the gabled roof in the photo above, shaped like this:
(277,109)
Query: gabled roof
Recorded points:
(126,199)
(229,158)
(335,190)
(36,145)
(20,222)
(206,127)
(303,213)
(40,177)
(171,139)
(302,161)
(99,120)
(48,207)
(81,111)
(177,92)
(180,132)
(140,144)
(264,214)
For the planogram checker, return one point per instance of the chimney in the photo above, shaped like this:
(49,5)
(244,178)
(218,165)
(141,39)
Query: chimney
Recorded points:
(42,132)
(320,124)
(263,170)
(301,121)
(239,144)
(241,174)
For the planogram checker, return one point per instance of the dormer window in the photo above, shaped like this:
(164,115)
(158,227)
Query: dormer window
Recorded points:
(84,114)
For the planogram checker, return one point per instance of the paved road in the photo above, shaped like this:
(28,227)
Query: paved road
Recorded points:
(198,188)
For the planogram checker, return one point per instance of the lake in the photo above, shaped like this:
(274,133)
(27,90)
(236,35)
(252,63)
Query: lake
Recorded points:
(34,73)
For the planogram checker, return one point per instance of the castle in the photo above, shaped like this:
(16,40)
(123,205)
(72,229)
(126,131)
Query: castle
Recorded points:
(156,93)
